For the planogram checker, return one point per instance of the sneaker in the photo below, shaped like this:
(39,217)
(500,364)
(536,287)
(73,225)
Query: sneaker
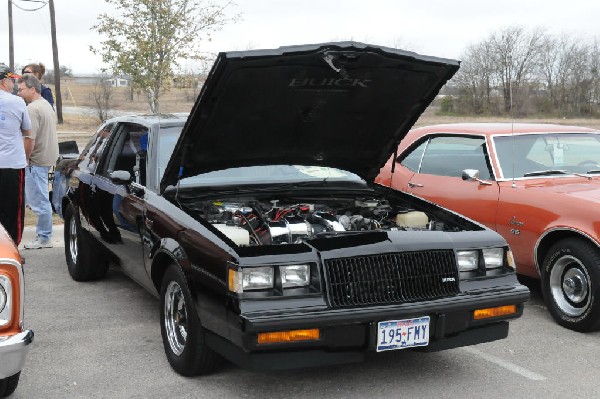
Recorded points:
(37,243)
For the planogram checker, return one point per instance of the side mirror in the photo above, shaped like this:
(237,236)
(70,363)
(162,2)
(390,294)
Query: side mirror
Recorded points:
(473,175)
(120,176)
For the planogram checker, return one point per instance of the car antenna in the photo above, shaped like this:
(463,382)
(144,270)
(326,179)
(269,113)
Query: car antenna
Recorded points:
(512,134)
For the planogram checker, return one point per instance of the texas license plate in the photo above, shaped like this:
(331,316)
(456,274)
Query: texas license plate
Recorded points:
(402,334)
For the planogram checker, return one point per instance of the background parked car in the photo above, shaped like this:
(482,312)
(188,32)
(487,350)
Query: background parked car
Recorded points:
(14,340)
(537,185)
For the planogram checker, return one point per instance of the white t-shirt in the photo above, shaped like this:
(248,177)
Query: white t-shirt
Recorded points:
(13,119)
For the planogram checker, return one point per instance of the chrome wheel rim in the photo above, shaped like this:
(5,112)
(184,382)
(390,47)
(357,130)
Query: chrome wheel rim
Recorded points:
(175,318)
(73,239)
(570,286)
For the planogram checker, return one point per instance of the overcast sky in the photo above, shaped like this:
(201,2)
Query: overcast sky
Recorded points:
(442,28)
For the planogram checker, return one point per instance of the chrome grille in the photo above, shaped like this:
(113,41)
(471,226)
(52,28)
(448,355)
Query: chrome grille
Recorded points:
(391,278)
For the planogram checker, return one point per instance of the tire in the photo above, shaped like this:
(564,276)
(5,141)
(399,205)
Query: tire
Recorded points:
(9,384)
(84,261)
(571,284)
(182,334)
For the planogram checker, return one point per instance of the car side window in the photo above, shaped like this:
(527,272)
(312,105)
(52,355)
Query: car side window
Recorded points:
(92,153)
(129,150)
(413,159)
(450,155)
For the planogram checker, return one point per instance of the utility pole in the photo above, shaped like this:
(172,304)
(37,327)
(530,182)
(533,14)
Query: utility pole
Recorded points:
(59,115)
(11,47)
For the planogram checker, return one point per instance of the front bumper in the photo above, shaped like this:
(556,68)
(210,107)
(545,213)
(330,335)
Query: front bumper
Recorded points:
(348,335)
(13,351)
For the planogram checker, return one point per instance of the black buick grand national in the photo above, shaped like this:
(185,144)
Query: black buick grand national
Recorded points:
(255,220)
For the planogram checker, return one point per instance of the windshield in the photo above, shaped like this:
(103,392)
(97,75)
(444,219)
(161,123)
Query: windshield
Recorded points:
(251,174)
(548,154)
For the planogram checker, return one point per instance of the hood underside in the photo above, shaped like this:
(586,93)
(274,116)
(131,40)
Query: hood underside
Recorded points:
(345,105)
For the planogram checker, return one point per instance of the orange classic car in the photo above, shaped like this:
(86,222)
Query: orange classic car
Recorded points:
(538,185)
(14,340)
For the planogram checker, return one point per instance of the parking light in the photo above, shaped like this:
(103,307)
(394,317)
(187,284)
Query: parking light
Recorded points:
(289,336)
(487,313)
(510,260)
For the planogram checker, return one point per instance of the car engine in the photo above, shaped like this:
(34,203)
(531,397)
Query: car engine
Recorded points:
(274,222)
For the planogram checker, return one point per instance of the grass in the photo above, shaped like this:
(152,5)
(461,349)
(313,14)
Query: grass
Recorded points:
(31,218)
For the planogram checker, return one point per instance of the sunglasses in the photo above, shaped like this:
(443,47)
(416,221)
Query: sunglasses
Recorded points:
(27,72)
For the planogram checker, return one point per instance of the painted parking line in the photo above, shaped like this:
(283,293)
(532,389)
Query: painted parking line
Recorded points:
(505,364)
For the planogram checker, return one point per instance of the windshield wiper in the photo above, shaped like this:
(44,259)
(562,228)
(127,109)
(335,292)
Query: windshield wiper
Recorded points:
(545,172)
(550,172)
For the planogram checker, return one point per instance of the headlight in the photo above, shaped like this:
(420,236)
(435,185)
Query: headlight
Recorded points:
(493,257)
(250,278)
(5,295)
(294,275)
(467,260)
(257,278)
(2,297)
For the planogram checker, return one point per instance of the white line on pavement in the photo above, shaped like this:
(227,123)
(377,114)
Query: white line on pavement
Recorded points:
(506,364)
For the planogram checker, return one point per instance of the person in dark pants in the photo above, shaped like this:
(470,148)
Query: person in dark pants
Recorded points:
(39,70)
(15,147)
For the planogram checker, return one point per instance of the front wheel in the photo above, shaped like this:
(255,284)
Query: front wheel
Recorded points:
(182,333)
(83,258)
(9,384)
(571,284)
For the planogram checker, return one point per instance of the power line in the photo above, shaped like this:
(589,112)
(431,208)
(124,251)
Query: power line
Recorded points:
(44,4)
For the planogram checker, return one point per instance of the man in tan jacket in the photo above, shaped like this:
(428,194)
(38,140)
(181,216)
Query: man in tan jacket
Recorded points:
(43,156)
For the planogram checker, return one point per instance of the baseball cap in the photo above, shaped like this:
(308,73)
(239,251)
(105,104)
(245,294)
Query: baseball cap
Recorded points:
(6,72)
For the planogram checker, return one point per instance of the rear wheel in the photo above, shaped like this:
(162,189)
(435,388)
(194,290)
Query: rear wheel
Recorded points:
(9,384)
(182,333)
(84,261)
(571,284)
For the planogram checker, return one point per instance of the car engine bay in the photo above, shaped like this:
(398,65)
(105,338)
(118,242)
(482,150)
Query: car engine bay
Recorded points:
(274,221)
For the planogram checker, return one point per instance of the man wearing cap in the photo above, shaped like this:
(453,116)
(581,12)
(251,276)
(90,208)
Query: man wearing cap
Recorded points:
(15,147)
(42,157)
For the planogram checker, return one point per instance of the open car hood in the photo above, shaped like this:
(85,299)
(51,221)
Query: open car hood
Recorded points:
(345,105)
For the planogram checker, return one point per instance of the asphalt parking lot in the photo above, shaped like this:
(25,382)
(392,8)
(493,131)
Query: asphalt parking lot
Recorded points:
(102,340)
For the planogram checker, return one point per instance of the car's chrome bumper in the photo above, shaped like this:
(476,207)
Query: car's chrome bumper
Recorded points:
(13,351)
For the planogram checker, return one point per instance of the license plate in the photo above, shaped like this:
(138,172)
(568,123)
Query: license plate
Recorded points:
(402,334)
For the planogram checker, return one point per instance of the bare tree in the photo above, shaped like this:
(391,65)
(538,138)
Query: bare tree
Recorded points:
(192,77)
(516,54)
(594,54)
(475,79)
(103,95)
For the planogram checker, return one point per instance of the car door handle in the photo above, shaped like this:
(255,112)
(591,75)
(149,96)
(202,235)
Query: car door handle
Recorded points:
(411,184)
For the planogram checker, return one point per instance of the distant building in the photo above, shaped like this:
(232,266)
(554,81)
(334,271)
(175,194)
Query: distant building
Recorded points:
(118,82)
(82,80)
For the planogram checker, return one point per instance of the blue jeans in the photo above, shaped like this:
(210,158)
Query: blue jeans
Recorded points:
(36,196)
